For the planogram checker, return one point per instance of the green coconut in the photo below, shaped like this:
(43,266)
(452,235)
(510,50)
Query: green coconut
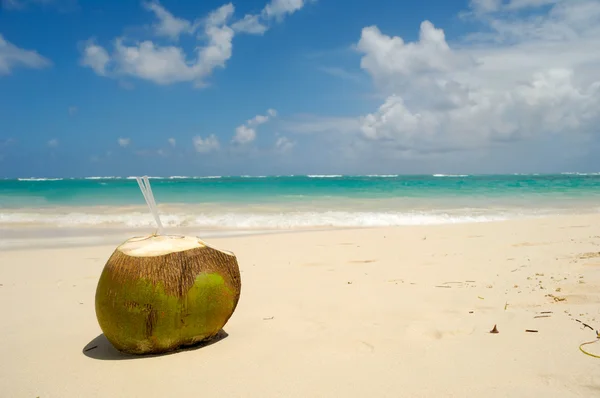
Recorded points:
(160,293)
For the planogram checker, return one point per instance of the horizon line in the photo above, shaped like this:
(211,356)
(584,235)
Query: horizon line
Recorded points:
(391,175)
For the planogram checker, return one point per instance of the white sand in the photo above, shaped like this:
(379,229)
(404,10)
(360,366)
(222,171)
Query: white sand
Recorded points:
(354,313)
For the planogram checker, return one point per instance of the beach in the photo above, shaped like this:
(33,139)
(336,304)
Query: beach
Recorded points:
(381,312)
(403,203)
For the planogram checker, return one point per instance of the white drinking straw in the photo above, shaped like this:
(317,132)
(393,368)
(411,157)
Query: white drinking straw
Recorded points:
(144,185)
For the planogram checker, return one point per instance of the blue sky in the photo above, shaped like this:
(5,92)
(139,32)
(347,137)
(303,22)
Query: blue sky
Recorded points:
(291,86)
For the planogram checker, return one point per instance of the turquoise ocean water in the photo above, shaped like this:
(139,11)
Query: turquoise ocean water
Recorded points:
(296,201)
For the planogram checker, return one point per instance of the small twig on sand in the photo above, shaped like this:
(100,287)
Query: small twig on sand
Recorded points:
(268,319)
(585,325)
(542,316)
(546,312)
(531,330)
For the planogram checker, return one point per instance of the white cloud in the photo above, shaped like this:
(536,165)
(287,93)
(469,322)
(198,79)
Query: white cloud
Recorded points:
(485,5)
(284,144)
(53,143)
(519,4)
(221,15)
(246,133)
(12,57)
(258,120)
(167,64)
(172,142)
(277,9)
(250,24)
(160,64)
(566,21)
(473,95)
(96,57)
(168,25)
(488,6)
(206,145)
(520,94)
(395,64)
(312,124)
(124,142)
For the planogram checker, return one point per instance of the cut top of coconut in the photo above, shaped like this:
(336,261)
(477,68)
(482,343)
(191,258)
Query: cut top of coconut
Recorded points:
(158,245)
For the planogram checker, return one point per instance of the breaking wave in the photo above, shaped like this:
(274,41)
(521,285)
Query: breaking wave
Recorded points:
(231,220)
(39,179)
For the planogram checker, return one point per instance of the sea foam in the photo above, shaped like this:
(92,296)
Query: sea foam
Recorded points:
(39,179)
(233,220)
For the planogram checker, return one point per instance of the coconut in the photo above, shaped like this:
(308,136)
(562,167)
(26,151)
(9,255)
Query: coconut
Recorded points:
(158,293)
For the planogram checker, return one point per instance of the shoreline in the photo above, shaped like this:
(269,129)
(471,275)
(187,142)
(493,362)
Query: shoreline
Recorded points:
(266,217)
(64,237)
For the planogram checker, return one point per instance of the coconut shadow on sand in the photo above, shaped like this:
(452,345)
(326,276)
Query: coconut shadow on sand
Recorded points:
(100,348)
